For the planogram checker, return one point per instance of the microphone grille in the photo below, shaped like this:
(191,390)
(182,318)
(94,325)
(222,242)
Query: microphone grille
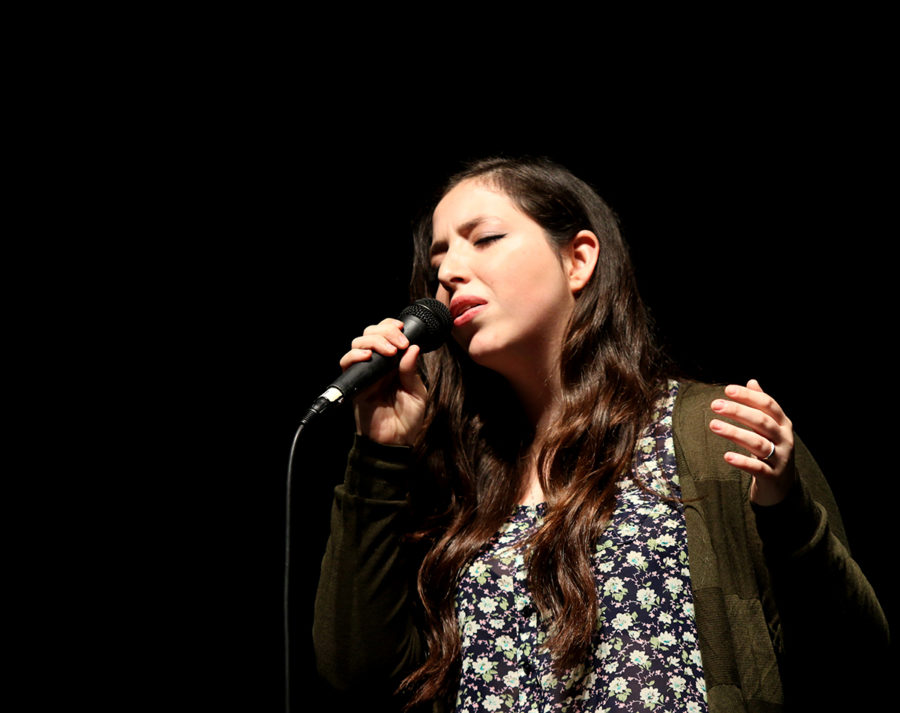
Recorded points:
(436,318)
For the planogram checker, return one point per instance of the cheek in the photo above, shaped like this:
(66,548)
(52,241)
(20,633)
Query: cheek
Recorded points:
(537,286)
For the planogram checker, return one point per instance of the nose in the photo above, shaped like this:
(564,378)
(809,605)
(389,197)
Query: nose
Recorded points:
(454,269)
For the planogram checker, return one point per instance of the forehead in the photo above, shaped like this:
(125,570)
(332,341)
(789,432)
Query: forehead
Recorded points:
(468,204)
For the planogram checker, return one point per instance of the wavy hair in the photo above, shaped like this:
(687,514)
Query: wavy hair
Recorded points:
(475,438)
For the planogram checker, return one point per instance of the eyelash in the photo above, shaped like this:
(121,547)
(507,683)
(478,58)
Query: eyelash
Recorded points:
(489,238)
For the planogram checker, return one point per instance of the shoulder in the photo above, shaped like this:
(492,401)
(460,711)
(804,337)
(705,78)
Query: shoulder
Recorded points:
(698,449)
(691,414)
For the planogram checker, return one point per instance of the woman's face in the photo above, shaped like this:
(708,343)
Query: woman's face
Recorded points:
(505,284)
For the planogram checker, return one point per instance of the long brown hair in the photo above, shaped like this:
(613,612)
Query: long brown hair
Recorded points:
(474,438)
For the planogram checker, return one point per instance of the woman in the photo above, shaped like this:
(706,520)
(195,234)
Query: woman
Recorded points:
(590,534)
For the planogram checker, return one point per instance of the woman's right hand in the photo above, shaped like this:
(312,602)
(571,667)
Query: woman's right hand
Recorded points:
(392,411)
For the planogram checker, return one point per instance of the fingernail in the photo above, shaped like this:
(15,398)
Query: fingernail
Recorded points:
(718,405)
(731,390)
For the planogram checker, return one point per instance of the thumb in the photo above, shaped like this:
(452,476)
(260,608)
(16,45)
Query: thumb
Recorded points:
(408,371)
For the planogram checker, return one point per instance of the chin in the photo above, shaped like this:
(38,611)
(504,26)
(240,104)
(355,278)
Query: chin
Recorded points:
(486,352)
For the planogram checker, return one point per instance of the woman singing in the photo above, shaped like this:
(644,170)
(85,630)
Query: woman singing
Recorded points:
(539,516)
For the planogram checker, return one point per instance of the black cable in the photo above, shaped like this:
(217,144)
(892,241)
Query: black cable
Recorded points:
(287,567)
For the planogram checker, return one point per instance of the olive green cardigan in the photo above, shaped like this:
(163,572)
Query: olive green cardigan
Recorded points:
(785,618)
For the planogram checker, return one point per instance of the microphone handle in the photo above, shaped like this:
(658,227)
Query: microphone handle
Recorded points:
(365,373)
(348,384)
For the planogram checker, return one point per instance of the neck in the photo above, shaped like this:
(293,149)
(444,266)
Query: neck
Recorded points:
(541,399)
(540,395)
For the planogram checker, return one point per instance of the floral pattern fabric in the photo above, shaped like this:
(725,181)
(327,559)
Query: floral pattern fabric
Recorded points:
(644,655)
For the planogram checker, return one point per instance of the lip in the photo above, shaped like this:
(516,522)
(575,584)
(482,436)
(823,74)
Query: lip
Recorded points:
(465,308)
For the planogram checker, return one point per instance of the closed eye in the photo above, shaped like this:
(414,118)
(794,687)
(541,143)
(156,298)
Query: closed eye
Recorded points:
(487,239)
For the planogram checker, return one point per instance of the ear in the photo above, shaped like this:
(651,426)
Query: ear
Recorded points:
(580,259)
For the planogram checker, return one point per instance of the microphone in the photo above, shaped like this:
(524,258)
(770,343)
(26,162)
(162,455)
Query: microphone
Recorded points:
(426,322)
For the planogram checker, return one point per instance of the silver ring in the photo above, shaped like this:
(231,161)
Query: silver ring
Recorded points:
(770,452)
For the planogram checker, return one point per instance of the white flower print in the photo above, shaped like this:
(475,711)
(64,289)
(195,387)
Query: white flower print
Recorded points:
(619,687)
(485,668)
(636,559)
(646,597)
(628,529)
(487,605)
(701,685)
(674,586)
(622,622)
(470,628)
(650,697)
(614,587)
(666,541)
(639,658)
(643,657)
(667,639)
(478,569)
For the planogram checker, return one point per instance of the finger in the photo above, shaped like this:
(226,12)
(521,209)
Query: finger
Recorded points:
(753,466)
(755,397)
(408,370)
(408,363)
(755,419)
(390,329)
(375,342)
(759,445)
(355,356)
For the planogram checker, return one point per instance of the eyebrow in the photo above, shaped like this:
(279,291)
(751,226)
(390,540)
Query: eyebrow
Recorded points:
(440,246)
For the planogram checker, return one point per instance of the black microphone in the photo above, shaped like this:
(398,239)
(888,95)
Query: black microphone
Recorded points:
(426,322)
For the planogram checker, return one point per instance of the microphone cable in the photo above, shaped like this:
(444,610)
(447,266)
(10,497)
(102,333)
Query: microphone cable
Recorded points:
(287,569)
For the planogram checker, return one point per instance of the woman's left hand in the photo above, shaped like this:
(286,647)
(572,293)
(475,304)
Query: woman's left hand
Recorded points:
(769,437)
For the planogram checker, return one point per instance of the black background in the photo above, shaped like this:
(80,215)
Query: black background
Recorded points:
(755,254)
(273,224)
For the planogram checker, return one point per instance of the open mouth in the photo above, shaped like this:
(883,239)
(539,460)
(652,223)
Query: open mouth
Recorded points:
(463,309)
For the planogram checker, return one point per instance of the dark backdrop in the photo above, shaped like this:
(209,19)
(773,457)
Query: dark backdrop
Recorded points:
(760,246)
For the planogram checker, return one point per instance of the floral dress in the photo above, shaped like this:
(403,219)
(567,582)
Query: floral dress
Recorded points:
(644,655)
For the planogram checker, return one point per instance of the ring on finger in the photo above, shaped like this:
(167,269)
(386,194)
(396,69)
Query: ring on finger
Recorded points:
(771,452)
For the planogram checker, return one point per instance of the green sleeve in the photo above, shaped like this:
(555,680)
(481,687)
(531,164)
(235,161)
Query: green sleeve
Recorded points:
(774,584)
(364,631)
(833,625)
